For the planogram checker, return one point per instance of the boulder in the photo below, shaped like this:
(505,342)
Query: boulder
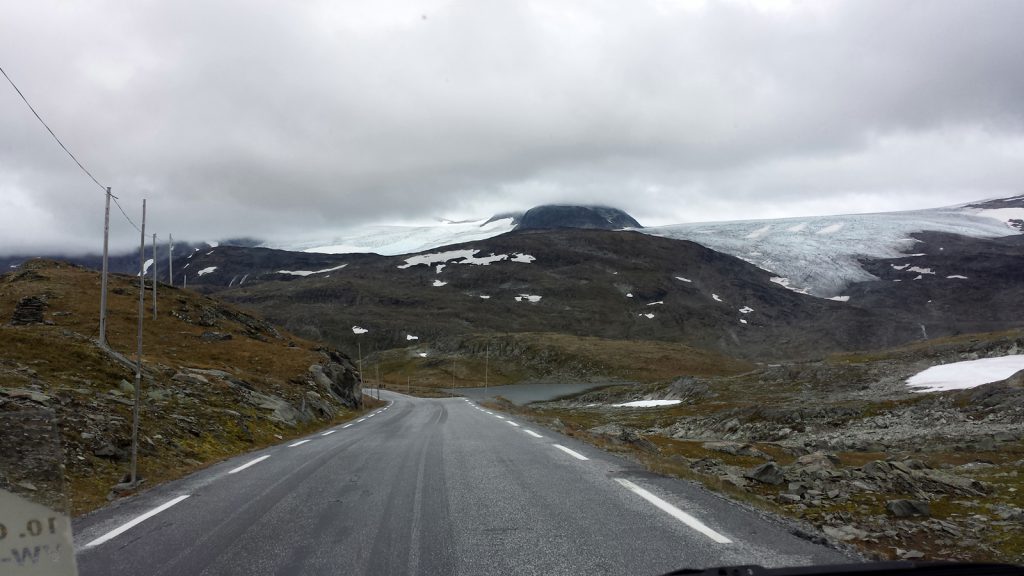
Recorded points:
(767,473)
(907,508)
(338,377)
(29,310)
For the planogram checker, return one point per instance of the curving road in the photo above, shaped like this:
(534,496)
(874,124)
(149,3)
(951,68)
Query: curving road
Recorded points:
(428,486)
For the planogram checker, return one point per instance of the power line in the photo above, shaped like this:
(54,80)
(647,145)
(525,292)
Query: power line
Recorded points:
(43,122)
(128,218)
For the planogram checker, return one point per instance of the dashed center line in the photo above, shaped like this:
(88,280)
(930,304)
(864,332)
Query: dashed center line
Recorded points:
(500,417)
(299,443)
(512,423)
(329,432)
(532,433)
(361,420)
(572,453)
(127,526)
(249,463)
(674,512)
(346,425)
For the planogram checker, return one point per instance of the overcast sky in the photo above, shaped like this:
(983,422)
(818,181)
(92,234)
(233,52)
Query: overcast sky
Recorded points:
(268,119)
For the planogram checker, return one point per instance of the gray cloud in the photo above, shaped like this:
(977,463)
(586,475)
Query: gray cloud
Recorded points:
(269,119)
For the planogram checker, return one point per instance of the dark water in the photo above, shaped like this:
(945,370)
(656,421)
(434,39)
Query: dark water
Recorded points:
(525,393)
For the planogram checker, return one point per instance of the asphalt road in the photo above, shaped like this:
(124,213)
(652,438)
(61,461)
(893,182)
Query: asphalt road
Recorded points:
(429,486)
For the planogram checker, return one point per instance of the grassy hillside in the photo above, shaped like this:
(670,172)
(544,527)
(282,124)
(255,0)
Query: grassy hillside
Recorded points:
(216,381)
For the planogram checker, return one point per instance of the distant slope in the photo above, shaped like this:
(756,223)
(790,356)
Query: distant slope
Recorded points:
(612,285)
(566,216)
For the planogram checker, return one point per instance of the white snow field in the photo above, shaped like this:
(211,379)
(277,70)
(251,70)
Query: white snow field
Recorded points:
(647,403)
(396,240)
(967,374)
(818,255)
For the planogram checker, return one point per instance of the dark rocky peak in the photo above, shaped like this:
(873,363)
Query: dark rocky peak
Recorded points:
(567,216)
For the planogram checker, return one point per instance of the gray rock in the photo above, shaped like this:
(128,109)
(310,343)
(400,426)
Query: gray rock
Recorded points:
(907,508)
(789,498)
(215,337)
(767,473)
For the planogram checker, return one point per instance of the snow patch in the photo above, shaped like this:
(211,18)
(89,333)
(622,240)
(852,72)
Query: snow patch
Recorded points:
(433,257)
(527,297)
(440,267)
(798,228)
(146,265)
(957,277)
(784,282)
(742,321)
(967,374)
(438,283)
(656,303)
(629,295)
(647,403)
(684,279)
(358,330)
(523,258)
(920,270)
(900,267)
(206,271)
(746,310)
(485,297)
(411,337)
(649,316)
(840,298)
(422,354)
(715,296)
(310,272)
(484,261)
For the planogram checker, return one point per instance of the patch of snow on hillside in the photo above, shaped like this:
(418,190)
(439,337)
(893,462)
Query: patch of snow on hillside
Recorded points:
(784,282)
(840,298)
(746,310)
(206,271)
(146,265)
(629,295)
(684,279)
(656,303)
(957,277)
(310,272)
(715,296)
(411,337)
(438,283)
(485,261)
(422,354)
(900,267)
(742,321)
(527,297)
(918,277)
(1004,215)
(649,316)
(647,403)
(430,259)
(920,270)
(522,258)
(485,297)
(210,252)
(967,374)
(440,267)
(358,330)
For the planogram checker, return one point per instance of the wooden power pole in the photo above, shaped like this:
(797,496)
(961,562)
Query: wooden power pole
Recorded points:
(103,280)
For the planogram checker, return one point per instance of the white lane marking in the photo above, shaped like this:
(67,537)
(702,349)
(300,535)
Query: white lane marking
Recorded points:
(532,433)
(299,443)
(572,453)
(249,463)
(346,426)
(329,432)
(360,420)
(491,413)
(125,527)
(370,416)
(675,512)
(501,417)
(512,423)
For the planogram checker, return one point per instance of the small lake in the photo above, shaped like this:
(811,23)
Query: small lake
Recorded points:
(535,392)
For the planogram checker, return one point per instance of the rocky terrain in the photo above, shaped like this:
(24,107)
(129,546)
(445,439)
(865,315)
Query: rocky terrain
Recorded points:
(215,382)
(841,444)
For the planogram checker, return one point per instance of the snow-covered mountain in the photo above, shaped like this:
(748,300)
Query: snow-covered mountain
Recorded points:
(817,255)
(820,255)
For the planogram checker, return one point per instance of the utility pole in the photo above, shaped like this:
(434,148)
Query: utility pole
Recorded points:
(359,345)
(170,259)
(487,362)
(154,276)
(103,281)
(138,361)
(378,380)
